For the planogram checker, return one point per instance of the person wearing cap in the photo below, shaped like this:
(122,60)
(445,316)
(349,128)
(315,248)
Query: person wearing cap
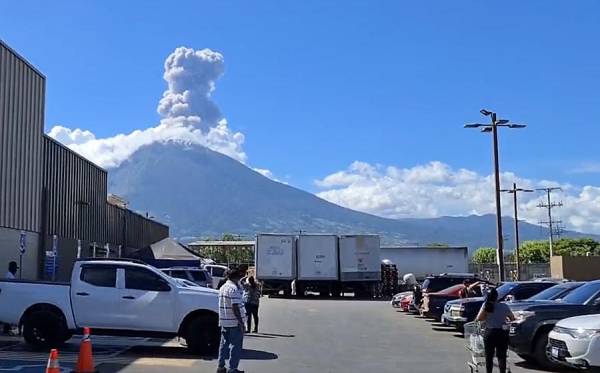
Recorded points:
(232,320)
(12,271)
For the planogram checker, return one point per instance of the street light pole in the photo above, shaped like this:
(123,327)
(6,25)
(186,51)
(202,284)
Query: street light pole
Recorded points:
(499,238)
(514,192)
(493,128)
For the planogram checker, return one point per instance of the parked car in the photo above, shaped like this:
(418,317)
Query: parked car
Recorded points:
(113,297)
(553,293)
(460,311)
(406,302)
(196,275)
(217,272)
(397,299)
(575,342)
(529,332)
(433,303)
(443,281)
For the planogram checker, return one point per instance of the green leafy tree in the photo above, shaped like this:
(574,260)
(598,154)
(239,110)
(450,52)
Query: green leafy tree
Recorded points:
(539,251)
(484,255)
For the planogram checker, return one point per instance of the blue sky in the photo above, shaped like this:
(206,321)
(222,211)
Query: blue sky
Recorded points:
(315,85)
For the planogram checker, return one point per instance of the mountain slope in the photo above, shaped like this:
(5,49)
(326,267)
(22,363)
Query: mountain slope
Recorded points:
(199,192)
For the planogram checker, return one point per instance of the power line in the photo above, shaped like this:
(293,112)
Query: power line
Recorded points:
(554,226)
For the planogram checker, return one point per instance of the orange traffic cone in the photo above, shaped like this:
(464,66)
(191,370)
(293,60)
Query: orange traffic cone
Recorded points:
(85,361)
(53,366)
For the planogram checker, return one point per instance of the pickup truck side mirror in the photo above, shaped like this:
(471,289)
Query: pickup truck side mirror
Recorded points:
(596,303)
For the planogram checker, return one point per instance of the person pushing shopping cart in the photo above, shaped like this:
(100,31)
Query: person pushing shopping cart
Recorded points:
(490,329)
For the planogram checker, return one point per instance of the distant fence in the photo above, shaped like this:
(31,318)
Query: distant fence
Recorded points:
(528,271)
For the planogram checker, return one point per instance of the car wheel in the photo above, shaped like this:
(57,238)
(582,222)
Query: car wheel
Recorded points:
(203,335)
(44,329)
(540,352)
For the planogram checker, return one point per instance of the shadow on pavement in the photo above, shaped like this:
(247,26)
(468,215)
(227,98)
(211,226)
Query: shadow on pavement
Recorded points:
(526,365)
(278,335)
(258,355)
(181,353)
(258,336)
(438,329)
(162,352)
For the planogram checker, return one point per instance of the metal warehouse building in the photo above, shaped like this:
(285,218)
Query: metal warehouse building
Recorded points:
(48,190)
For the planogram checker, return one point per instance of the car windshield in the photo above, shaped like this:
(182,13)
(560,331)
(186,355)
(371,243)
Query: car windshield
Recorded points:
(582,294)
(551,293)
(504,289)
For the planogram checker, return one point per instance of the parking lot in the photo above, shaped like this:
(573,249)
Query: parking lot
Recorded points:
(297,335)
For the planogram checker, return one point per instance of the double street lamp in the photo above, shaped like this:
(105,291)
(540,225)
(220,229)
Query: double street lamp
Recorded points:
(493,128)
(514,192)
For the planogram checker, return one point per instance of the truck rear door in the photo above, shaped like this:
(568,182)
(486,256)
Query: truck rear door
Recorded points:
(95,297)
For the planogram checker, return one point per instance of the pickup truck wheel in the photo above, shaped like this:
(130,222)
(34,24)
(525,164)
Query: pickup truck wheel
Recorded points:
(540,354)
(44,329)
(203,336)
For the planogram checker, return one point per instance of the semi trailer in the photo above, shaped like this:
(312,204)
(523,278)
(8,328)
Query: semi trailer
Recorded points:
(323,263)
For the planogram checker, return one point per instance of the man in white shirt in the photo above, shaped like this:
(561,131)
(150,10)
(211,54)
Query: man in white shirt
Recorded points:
(12,271)
(232,322)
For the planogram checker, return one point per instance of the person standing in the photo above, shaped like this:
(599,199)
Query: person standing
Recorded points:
(232,323)
(496,316)
(12,271)
(251,302)
(10,275)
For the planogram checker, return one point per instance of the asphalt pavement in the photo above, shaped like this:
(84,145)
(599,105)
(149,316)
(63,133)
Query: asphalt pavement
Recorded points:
(296,336)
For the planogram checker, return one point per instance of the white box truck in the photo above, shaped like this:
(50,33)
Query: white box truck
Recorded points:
(318,264)
(275,258)
(360,263)
(424,261)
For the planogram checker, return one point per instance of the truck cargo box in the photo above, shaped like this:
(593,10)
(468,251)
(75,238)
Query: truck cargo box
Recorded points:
(275,257)
(423,261)
(359,258)
(318,257)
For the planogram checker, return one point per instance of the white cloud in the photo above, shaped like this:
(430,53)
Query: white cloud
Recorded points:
(188,115)
(436,189)
(587,168)
(268,173)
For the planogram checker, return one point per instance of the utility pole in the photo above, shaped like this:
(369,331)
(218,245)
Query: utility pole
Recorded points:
(493,128)
(514,192)
(550,223)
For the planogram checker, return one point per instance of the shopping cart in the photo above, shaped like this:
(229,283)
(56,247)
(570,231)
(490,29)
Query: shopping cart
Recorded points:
(475,345)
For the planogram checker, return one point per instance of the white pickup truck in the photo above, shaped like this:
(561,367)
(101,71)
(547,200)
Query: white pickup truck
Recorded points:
(113,297)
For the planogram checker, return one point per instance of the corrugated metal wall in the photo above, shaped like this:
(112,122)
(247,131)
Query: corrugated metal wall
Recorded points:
(132,230)
(75,194)
(22,91)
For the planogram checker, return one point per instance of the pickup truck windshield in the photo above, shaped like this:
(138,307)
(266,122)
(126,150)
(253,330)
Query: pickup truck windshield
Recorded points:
(583,294)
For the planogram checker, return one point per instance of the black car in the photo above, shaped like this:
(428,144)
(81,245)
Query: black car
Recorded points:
(436,283)
(553,293)
(529,333)
(461,311)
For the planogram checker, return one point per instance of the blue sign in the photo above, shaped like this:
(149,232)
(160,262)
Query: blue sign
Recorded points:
(22,243)
(51,263)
